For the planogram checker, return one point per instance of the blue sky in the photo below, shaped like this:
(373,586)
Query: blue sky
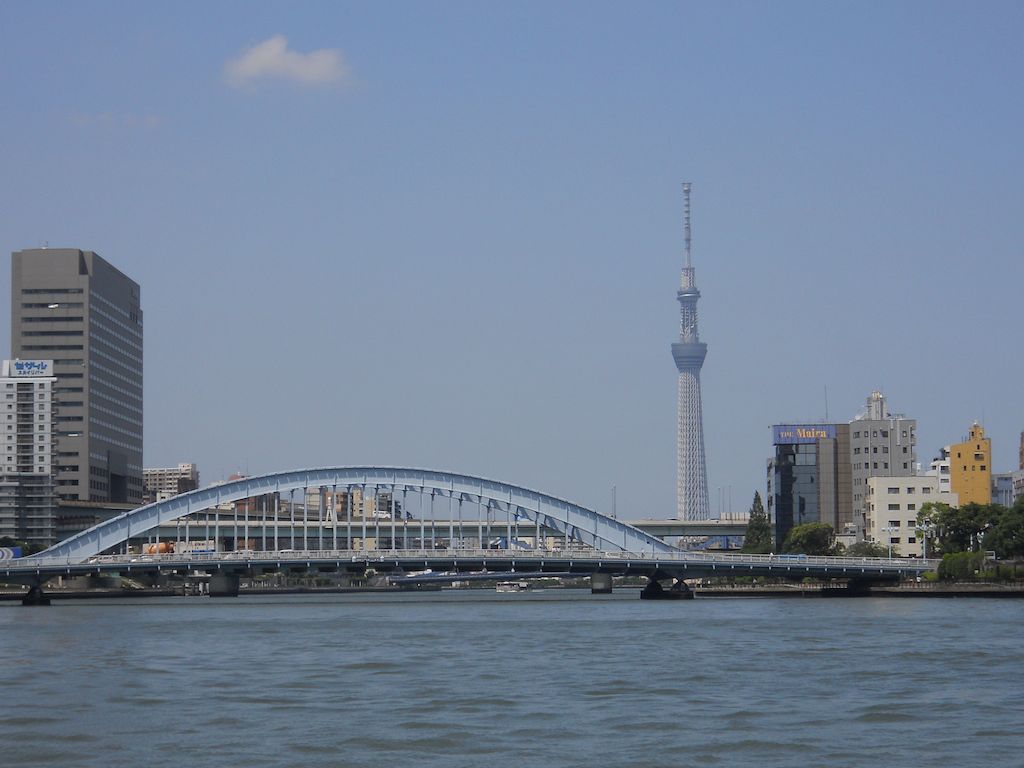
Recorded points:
(452,236)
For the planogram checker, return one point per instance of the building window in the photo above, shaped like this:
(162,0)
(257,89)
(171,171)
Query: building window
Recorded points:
(910,489)
(894,508)
(911,507)
(912,540)
(885,433)
(926,489)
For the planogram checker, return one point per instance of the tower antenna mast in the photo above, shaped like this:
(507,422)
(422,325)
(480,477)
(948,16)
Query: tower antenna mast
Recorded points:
(686,222)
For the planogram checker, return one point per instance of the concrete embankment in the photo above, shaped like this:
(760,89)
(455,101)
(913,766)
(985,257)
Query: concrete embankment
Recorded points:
(905,590)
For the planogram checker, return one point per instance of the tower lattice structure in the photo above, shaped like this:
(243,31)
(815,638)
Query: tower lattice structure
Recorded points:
(689,353)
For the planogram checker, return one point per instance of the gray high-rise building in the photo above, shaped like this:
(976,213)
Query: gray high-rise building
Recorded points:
(75,308)
(882,444)
(689,353)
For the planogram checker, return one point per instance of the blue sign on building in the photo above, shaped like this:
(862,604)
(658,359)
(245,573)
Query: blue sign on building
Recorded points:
(792,434)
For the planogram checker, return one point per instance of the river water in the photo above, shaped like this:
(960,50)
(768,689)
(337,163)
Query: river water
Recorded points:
(549,678)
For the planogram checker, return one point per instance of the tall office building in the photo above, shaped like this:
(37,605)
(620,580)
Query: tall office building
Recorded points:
(809,477)
(689,353)
(28,503)
(882,444)
(74,307)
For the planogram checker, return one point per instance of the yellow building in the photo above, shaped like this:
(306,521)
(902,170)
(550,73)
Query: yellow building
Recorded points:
(970,468)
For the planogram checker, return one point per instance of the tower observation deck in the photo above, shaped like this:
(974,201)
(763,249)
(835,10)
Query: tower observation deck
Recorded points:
(689,353)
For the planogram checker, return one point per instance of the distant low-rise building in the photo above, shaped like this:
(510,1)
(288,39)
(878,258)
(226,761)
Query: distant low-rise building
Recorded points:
(166,482)
(1018,484)
(1002,488)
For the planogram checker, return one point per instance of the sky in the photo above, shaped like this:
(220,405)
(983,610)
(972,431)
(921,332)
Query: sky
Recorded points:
(449,234)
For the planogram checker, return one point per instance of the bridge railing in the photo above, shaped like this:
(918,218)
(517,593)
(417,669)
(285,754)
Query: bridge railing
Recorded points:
(383,555)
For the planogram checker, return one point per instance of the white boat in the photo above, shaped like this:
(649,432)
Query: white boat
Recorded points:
(512,586)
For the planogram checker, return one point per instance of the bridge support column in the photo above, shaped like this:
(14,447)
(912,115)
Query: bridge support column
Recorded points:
(601,584)
(224,585)
(35,596)
(654,591)
(858,588)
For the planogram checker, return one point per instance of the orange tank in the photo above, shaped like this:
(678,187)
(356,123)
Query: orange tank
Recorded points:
(163,548)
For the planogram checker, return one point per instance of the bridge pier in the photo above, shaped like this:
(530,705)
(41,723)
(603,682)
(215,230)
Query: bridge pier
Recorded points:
(35,596)
(858,588)
(224,585)
(600,584)
(654,591)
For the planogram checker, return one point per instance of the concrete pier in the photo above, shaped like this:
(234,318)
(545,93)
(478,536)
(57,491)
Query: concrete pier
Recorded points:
(224,585)
(601,584)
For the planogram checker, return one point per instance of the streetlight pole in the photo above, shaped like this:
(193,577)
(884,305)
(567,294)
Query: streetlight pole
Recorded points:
(889,530)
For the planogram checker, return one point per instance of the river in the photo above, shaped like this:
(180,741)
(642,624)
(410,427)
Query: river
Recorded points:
(547,678)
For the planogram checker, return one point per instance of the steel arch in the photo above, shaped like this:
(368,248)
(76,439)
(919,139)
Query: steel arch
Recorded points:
(577,522)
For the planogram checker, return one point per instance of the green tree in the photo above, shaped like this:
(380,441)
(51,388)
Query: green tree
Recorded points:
(758,539)
(1006,535)
(811,539)
(866,549)
(960,566)
(958,529)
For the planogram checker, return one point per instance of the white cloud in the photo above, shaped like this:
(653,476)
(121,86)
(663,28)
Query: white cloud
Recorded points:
(271,60)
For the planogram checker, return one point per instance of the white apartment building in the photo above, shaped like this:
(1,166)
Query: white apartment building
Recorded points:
(893,504)
(940,467)
(28,502)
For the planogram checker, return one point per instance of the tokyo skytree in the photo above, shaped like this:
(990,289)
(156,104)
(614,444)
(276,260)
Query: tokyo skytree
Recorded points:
(689,353)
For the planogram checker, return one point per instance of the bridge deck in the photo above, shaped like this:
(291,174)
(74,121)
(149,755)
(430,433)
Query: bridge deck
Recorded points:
(680,565)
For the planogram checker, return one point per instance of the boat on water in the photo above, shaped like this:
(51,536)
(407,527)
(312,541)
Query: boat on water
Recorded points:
(512,586)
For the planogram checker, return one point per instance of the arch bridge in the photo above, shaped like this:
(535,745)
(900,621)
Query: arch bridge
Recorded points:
(515,510)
